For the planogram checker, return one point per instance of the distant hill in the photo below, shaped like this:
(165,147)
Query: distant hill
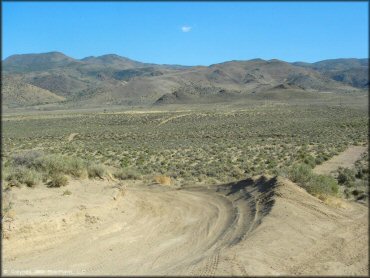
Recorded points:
(37,62)
(336,64)
(353,72)
(60,83)
(113,61)
(115,80)
(17,93)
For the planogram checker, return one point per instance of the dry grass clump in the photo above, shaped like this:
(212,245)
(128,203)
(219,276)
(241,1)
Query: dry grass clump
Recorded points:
(163,180)
(58,180)
(334,201)
(67,193)
(22,175)
(127,174)
(96,170)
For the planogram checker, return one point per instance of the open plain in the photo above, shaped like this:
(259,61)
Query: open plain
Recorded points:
(228,207)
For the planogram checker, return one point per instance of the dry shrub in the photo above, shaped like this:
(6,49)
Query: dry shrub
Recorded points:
(96,170)
(58,180)
(22,175)
(164,180)
(334,201)
(127,174)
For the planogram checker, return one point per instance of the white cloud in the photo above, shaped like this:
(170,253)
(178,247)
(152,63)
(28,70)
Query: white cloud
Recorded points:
(186,29)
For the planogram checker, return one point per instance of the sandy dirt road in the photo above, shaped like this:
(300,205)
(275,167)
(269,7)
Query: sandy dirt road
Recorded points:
(345,159)
(260,226)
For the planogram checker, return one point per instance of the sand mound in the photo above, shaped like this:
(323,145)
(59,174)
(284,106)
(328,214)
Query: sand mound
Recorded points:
(259,226)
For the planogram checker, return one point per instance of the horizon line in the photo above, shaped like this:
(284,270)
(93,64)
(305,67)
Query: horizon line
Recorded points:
(176,64)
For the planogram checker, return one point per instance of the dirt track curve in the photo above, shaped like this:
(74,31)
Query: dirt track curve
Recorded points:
(260,226)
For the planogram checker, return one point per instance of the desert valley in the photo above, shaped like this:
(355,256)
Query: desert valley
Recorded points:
(116,167)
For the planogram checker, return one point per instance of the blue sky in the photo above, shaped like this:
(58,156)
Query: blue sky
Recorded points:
(188,33)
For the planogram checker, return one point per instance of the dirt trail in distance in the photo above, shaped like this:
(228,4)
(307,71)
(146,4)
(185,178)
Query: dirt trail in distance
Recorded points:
(172,118)
(71,136)
(345,159)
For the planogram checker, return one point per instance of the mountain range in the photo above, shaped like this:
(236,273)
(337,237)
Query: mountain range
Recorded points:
(53,77)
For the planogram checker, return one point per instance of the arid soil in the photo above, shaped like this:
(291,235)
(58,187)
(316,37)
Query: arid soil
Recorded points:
(345,159)
(259,226)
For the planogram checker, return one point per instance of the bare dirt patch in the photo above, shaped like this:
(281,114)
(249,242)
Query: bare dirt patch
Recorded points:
(345,159)
(260,226)
(71,136)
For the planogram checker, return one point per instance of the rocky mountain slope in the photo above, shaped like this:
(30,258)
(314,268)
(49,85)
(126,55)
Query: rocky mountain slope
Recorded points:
(353,72)
(115,80)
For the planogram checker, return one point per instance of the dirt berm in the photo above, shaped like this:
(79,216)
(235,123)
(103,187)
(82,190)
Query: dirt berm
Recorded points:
(259,226)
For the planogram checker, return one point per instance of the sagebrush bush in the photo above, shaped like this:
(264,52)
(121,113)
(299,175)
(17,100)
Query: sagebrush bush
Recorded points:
(96,170)
(58,180)
(322,185)
(53,164)
(346,176)
(301,173)
(314,184)
(29,159)
(22,175)
(76,167)
(127,174)
(319,160)
(309,160)
(33,166)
